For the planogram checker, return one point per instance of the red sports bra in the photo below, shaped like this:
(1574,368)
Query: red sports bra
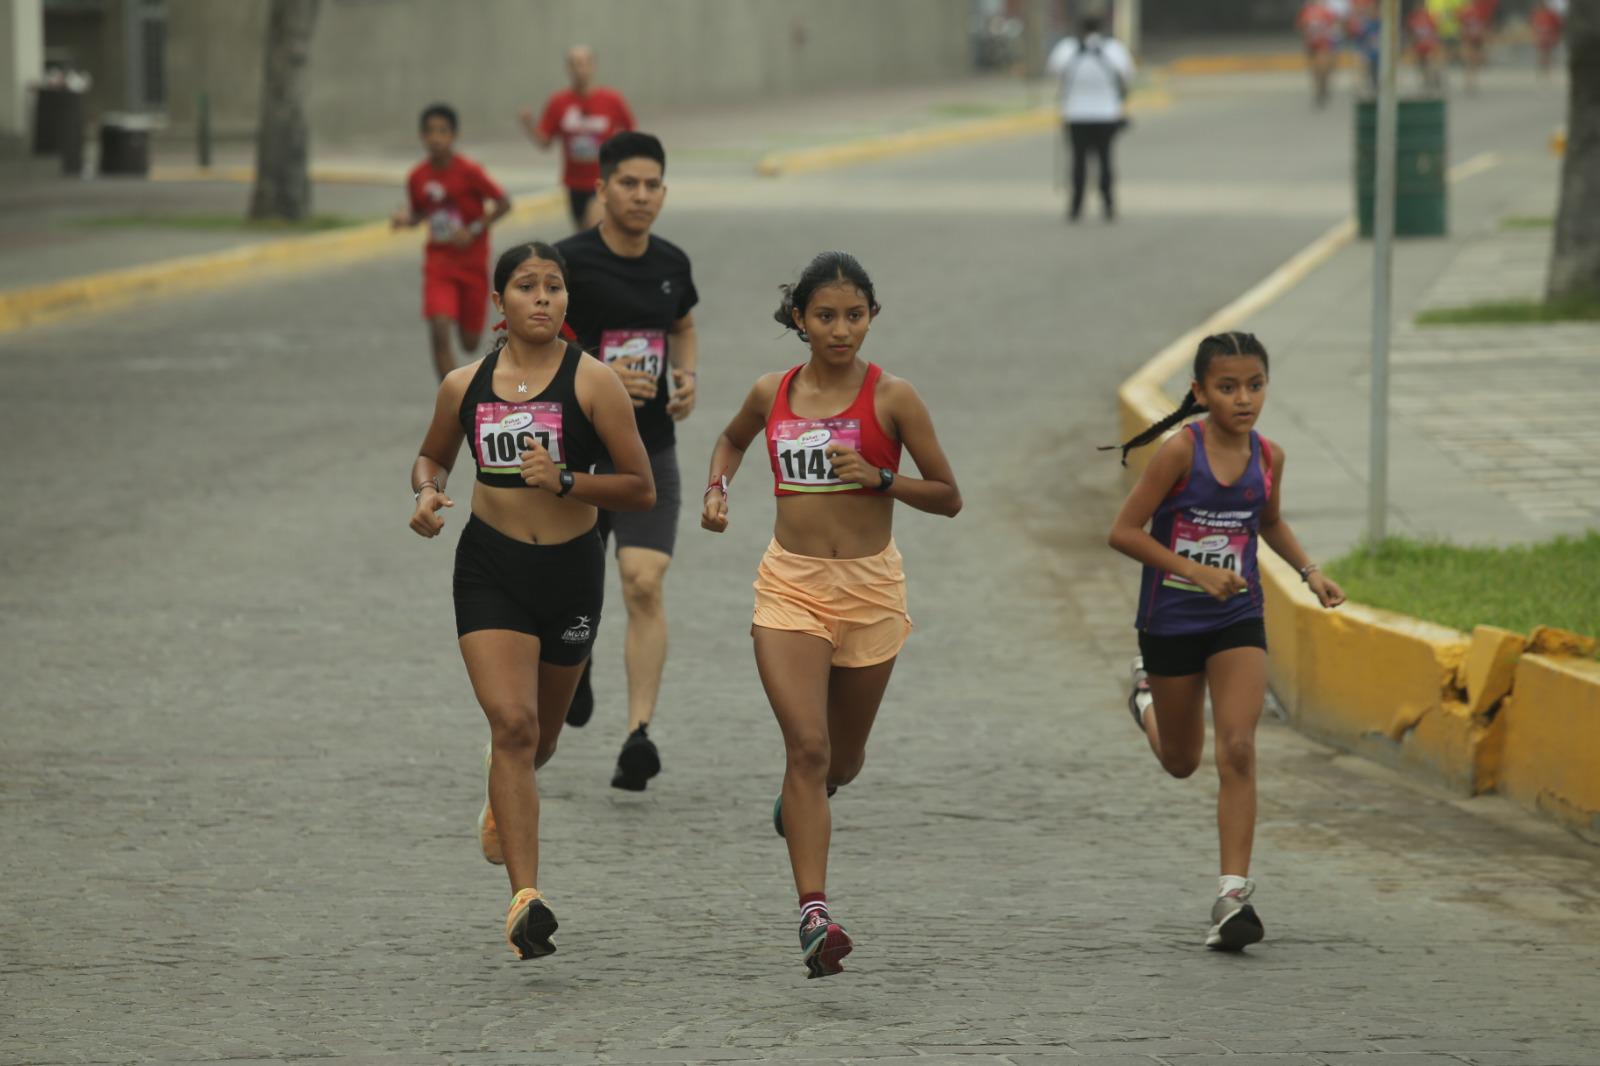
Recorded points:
(798,447)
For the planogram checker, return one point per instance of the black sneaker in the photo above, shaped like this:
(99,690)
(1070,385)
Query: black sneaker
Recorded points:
(582,707)
(638,762)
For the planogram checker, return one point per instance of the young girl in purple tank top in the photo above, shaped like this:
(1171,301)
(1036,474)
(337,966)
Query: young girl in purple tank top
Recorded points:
(1208,494)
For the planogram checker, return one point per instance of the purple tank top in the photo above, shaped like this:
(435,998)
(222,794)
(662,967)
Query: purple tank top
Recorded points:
(1213,524)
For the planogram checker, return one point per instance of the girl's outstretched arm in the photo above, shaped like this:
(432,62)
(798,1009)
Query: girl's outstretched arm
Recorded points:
(1281,539)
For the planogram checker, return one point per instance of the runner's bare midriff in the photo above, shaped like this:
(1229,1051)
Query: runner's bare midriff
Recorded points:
(532,515)
(836,526)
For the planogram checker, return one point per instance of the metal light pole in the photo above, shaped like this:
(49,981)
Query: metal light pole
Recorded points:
(1382,272)
(1125,23)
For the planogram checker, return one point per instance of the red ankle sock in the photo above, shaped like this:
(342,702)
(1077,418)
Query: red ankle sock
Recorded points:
(813,901)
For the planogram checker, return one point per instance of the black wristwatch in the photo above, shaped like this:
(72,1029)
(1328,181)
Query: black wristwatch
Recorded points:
(887,477)
(567,481)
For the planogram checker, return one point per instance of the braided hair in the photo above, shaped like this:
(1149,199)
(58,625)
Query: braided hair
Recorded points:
(1233,342)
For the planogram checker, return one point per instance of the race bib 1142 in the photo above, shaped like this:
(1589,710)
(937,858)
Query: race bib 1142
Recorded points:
(802,449)
(503,431)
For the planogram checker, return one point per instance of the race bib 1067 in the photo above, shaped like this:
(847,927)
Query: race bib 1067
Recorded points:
(505,430)
(645,349)
(802,449)
(1207,546)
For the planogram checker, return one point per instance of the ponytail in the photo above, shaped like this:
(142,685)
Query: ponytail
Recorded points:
(1190,406)
(1234,342)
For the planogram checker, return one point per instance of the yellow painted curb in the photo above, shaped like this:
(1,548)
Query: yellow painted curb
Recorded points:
(92,293)
(1551,758)
(246,175)
(887,146)
(1476,713)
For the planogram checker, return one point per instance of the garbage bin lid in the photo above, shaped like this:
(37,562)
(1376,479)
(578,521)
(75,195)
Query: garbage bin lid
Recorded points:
(132,120)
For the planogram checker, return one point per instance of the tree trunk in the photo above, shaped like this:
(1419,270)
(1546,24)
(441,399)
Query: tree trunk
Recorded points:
(1575,261)
(283,182)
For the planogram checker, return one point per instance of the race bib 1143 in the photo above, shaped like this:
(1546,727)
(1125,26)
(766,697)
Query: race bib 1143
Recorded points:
(802,449)
(645,349)
(503,431)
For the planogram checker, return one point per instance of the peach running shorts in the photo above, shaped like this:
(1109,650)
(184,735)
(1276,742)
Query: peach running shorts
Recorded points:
(857,605)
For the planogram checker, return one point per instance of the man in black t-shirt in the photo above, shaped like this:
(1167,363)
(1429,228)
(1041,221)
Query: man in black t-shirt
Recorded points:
(630,299)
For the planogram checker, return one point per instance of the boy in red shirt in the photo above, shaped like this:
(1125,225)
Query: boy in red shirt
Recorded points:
(453,195)
(584,117)
(1319,27)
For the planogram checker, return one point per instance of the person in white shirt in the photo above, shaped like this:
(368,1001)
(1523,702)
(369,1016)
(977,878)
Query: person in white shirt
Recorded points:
(1094,71)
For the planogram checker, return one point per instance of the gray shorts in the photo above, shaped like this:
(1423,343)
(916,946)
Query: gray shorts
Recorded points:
(656,528)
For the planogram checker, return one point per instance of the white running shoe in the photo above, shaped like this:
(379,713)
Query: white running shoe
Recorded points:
(1234,923)
(1139,699)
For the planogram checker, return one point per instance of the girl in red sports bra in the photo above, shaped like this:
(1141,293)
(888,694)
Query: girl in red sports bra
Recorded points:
(830,613)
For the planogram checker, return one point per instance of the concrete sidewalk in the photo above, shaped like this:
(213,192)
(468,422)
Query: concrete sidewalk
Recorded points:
(1492,431)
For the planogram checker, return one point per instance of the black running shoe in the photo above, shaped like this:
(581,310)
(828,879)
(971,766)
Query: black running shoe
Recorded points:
(823,945)
(638,762)
(582,706)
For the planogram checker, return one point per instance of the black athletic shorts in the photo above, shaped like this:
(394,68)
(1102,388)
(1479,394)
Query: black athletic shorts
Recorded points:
(1186,653)
(656,528)
(578,200)
(550,591)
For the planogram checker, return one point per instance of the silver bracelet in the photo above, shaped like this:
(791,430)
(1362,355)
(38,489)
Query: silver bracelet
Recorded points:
(432,482)
(1307,570)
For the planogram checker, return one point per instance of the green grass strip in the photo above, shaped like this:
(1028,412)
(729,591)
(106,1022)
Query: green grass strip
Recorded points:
(1527,222)
(1556,583)
(1515,312)
(221,223)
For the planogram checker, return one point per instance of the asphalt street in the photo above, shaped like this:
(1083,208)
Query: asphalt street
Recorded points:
(241,760)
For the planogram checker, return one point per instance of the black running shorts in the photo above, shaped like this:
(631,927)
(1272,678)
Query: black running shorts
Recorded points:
(1186,653)
(656,528)
(550,591)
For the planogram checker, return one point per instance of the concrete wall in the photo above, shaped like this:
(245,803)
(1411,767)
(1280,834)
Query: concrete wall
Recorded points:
(21,63)
(375,63)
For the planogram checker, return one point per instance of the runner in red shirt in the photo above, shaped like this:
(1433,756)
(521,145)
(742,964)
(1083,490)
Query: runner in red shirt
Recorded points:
(1477,17)
(1319,27)
(1548,21)
(583,116)
(452,194)
(1427,45)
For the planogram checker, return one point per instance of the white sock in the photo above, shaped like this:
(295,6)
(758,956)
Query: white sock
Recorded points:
(1228,882)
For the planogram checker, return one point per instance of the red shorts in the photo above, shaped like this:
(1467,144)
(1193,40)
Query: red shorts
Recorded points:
(455,291)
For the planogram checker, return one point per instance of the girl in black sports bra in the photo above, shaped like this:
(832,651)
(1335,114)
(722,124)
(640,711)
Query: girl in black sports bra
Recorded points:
(530,570)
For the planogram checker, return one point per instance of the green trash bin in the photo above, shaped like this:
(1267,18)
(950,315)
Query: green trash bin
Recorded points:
(1420,161)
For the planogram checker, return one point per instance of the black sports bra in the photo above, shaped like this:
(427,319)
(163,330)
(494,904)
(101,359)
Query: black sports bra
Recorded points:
(499,431)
